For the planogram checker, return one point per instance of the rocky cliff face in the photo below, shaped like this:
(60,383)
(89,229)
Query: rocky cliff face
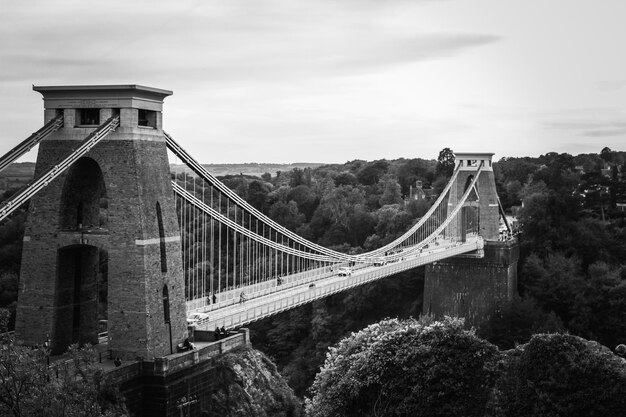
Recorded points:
(248,384)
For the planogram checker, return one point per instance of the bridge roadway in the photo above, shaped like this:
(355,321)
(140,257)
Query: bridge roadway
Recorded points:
(269,299)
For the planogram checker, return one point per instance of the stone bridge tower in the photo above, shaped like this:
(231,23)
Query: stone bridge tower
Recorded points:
(102,242)
(474,286)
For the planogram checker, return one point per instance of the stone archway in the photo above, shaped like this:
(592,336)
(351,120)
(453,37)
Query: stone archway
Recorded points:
(78,295)
(84,201)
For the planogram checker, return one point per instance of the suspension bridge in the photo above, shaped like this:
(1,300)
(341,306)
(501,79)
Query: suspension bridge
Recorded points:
(108,216)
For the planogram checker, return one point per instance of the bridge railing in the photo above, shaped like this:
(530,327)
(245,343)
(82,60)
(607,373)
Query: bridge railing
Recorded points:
(232,296)
(282,301)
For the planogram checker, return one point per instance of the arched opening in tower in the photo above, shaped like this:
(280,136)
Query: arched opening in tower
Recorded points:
(470,211)
(80,296)
(84,201)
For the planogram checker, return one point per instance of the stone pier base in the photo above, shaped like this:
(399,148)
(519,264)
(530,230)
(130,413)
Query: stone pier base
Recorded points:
(472,288)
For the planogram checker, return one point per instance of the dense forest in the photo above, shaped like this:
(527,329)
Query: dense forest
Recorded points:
(572,237)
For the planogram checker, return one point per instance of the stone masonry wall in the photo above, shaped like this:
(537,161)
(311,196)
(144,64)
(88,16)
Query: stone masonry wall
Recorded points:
(472,287)
(136,175)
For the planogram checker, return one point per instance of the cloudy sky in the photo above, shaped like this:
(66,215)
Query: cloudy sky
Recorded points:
(335,80)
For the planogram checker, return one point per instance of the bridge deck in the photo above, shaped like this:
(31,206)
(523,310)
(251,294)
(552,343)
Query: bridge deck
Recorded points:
(295,292)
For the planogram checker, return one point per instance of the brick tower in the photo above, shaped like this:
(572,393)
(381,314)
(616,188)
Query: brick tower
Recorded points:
(102,240)
(468,285)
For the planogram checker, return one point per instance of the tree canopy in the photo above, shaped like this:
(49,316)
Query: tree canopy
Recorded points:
(406,368)
(422,368)
(561,375)
(29,388)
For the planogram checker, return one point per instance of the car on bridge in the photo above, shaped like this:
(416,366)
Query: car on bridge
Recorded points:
(344,271)
(197,318)
(380,262)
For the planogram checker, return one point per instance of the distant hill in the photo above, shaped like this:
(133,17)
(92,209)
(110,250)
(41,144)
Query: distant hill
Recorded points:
(19,174)
(250,168)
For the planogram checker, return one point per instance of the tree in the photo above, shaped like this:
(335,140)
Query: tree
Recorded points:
(555,282)
(445,163)
(602,305)
(360,225)
(29,388)
(337,204)
(516,322)
(606,154)
(8,288)
(346,178)
(257,194)
(4,320)
(417,208)
(392,221)
(306,199)
(297,177)
(561,375)
(11,238)
(372,172)
(391,191)
(287,214)
(513,190)
(515,169)
(415,169)
(246,383)
(406,368)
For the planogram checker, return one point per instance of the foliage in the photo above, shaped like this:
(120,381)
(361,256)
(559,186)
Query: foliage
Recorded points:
(411,170)
(602,305)
(287,214)
(406,368)
(248,384)
(516,322)
(561,375)
(555,281)
(8,288)
(574,239)
(11,237)
(4,320)
(411,368)
(391,192)
(371,172)
(297,340)
(29,388)
(445,163)
(257,194)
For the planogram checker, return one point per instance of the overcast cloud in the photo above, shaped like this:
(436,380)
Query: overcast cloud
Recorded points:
(334,80)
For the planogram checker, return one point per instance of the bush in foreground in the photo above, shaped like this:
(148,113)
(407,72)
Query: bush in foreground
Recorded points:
(29,388)
(561,375)
(406,368)
(421,368)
